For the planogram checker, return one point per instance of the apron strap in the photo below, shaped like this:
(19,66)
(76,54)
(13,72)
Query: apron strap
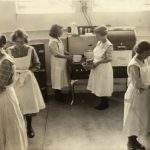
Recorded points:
(29,55)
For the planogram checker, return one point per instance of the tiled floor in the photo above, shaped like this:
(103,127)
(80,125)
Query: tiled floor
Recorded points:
(81,127)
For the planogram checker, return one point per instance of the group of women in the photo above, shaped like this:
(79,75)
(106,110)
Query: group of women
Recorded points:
(20,96)
(137,96)
(101,69)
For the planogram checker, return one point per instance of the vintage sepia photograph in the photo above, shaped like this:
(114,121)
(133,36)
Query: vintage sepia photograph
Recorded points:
(75,75)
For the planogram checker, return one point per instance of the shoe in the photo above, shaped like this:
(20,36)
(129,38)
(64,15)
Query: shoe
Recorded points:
(103,105)
(135,146)
(30,132)
(139,146)
(131,146)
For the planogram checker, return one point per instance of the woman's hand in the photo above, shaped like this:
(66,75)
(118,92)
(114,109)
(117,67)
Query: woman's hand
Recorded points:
(66,52)
(96,64)
(69,57)
(141,90)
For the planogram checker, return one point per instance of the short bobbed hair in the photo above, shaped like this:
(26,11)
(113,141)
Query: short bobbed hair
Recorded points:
(2,40)
(102,30)
(19,33)
(54,31)
(141,47)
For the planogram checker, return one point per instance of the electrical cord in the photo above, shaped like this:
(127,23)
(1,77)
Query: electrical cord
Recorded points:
(84,11)
(89,18)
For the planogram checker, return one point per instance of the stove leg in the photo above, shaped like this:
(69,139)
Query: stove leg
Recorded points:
(72,90)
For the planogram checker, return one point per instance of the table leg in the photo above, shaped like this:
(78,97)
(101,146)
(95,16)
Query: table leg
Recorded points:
(72,90)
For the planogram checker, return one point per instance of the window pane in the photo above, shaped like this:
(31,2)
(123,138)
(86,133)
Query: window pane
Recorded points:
(44,6)
(121,5)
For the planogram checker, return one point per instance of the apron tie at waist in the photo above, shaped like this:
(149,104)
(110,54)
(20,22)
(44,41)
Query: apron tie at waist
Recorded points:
(21,76)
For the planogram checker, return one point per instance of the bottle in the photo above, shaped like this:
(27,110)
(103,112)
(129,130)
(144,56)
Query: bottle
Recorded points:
(80,30)
(69,29)
(74,29)
(89,30)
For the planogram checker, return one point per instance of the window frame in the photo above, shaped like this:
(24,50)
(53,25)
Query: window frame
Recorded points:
(146,3)
(35,10)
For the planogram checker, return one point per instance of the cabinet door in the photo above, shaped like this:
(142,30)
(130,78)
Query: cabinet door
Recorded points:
(41,75)
(40,49)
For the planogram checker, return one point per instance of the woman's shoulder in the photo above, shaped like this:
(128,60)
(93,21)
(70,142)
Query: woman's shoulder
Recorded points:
(51,39)
(7,60)
(109,43)
(29,47)
(134,62)
(53,43)
(11,48)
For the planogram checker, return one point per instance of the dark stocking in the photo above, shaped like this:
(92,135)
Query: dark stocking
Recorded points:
(57,94)
(30,131)
(103,103)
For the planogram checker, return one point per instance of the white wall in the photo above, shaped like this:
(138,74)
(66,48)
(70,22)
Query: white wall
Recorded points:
(38,25)
(7,16)
(36,22)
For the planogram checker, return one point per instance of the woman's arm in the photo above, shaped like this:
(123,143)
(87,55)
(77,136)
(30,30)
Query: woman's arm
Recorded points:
(106,58)
(66,52)
(6,73)
(136,79)
(35,63)
(55,51)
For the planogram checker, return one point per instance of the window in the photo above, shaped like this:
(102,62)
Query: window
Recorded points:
(44,6)
(121,5)
(6,0)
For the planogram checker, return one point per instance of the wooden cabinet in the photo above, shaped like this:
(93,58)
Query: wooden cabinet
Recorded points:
(41,75)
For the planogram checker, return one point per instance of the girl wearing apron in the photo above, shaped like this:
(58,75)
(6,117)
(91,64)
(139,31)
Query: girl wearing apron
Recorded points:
(58,59)
(101,76)
(26,86)
(137,99)
(12,125)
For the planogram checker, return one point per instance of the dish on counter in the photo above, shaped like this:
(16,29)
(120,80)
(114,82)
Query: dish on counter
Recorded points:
(77,58)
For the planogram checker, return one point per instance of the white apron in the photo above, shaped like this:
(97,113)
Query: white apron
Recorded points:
(26,86)
(136,108)
(101,78)
(58,68)
(145,72)
(12,126)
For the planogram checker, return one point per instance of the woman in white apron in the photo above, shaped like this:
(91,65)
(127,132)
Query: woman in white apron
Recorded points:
(26,86)
(137,99)
(12,125)
(58,60)
(101,76)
